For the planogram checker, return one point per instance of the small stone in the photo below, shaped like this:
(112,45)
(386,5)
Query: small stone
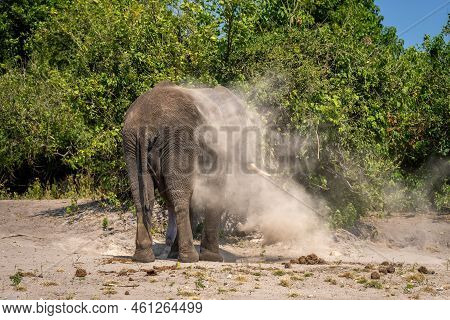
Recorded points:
(151,272)
(385,263)
(390,269)
(130,279)
(127,293)
(375,275)
(382,270)
(81,273)
(287,265)
(424,270)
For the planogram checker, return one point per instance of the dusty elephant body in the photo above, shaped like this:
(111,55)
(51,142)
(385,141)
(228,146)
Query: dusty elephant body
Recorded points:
(163,150)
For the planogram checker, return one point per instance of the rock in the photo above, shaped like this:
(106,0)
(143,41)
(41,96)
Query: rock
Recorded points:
(311,259)
(151,272)
(424,270)
(382,270)
(375,275)
(127,293)
(130,279)
(390,269)
(287,265)
(385,263)
(126,272)
(81,273)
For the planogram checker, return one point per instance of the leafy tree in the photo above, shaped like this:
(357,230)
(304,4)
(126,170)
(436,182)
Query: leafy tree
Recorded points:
(374,114)
(18,20)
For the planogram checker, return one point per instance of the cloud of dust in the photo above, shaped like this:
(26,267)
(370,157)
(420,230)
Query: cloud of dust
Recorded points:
(279,208)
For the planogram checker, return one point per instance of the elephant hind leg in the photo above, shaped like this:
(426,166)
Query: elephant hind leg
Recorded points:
(187,252)
(170,238)
(142,189)
(144,241)
(180,201)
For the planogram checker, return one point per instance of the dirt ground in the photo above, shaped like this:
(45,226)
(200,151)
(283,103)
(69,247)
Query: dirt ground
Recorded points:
(44,251)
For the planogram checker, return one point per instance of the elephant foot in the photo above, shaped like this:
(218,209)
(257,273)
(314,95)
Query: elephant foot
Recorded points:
(165,253)
(173,255)
(206,255)
(189,257)
(174,251)
(144,255)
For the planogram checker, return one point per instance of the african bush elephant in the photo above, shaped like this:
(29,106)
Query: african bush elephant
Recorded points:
(163,149)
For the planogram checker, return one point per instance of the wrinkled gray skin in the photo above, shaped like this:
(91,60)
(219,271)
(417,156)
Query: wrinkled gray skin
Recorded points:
(163,150)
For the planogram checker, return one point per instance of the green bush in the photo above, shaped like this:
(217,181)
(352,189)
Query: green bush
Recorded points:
(442,197)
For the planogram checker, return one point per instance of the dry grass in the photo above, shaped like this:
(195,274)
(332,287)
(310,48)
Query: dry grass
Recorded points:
(279,273)
(285,283)
(374,284)
(186,293)
(109,291)
(241,278)
(297,278)
(347,275)
(415,277)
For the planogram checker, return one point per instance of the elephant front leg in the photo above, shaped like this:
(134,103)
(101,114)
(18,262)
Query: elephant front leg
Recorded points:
(187,252)
(209,248)
(171,236)
(143,252)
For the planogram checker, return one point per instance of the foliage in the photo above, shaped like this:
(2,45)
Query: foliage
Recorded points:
(16,278)
(18,20)
(374,114)
(105,223)
(442,197)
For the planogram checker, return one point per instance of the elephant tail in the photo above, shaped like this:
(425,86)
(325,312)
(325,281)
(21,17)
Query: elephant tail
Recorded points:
(143,167)
(136,157)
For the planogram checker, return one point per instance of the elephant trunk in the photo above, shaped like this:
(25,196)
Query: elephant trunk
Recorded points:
(144,176)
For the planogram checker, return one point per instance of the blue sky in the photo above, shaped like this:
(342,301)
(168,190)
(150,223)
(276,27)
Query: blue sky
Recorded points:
(414,18)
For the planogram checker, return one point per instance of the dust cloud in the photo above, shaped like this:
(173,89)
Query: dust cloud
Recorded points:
(275,206)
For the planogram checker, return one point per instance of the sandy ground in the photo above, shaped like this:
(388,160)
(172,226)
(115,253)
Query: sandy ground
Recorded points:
(42,246)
